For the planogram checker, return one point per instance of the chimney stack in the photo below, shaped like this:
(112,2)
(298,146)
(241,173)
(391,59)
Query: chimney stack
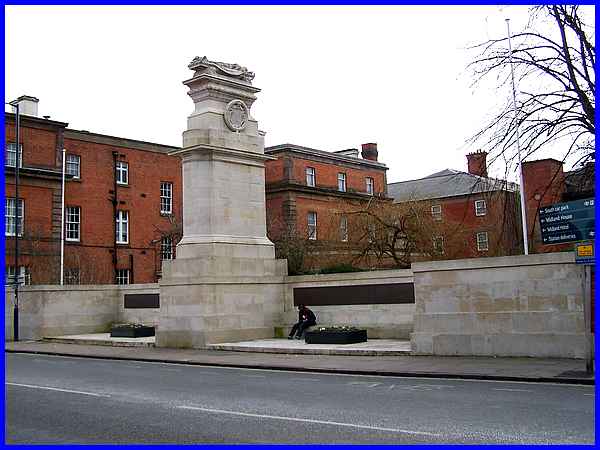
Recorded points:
(369,151)
(28,105)
(477,163)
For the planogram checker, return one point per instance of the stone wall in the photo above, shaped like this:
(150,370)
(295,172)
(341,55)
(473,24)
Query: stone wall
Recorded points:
(53,310)
(507,306)
(219,299)
(384,321)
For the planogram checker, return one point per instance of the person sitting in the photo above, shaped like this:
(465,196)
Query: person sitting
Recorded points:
(306,318)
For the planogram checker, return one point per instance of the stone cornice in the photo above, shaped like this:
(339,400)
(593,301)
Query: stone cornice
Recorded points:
(208,152)
(272,188)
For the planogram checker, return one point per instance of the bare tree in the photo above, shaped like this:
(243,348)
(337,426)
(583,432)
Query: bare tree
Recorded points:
(166,237)
(554,62)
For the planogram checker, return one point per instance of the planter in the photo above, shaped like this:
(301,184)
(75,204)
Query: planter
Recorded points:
(131,332)
(335,337)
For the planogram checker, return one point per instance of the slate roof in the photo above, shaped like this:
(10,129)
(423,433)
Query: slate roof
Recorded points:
(446,183)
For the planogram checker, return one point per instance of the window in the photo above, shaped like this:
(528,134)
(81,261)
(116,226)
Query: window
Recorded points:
(480,208)
(370,186)
(482,241)
(72,165)
(23,279)
(122,227)
(72,276)
(436,212)
(438,245)
(310,177)
(123,276)
(342,182)
(122,172)
(344,229)
(312,226)
(12,216)
(166,198)
(11,154)
(73,223)
(166,248)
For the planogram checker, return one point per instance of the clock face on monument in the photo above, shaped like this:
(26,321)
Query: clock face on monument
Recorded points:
(236,115)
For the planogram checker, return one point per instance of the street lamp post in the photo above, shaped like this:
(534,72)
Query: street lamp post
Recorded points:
(15,104)
(522,190)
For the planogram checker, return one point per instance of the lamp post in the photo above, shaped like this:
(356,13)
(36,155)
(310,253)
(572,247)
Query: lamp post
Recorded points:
(15,104)
(522,190)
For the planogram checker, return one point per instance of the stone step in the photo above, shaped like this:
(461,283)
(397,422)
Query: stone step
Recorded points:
(374,347)
(106,341)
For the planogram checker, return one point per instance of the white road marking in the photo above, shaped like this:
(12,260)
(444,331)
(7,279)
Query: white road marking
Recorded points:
(364,383)
(93,394)
(297,419)
(254,376)
(304,379)
(511,390)
(589,395)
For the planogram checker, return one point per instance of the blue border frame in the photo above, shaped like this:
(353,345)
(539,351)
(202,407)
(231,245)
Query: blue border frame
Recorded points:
(307,3)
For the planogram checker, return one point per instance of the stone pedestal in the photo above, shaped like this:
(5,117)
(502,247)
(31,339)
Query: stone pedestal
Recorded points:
(225,284)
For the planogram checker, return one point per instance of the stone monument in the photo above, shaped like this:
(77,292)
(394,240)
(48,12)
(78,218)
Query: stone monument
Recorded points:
(225,284)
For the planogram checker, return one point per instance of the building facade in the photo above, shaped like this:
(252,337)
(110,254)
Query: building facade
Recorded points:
(123,204)
(467,214)
(309,193)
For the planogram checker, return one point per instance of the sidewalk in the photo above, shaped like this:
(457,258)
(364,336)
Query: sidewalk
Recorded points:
(483,368)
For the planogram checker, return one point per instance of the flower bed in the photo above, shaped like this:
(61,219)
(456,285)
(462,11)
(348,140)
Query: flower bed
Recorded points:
(131,330)
(335,335)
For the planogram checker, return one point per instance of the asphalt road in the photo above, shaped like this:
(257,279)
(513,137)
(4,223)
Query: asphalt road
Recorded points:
(53,400)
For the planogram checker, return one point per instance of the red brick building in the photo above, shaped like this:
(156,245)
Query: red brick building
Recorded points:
(122,203)
(308,191)
(472,215)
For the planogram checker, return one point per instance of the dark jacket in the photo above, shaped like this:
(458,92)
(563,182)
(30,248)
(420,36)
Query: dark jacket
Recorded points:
(306,315)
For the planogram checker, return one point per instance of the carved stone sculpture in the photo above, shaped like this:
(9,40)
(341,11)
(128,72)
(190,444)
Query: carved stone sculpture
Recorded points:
(202,65)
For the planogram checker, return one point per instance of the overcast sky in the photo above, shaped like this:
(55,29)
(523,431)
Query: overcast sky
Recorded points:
(331,77)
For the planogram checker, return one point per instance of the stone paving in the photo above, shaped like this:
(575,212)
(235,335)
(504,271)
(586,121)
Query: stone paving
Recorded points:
(373,347)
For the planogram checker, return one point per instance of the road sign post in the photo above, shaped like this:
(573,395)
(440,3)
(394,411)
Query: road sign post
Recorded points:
(584,254)
(575,222)
(587,311)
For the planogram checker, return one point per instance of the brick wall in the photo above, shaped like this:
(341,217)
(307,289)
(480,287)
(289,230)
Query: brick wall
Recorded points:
(140,197)
(39,145)
(93,192)
(327,175)
(544,183)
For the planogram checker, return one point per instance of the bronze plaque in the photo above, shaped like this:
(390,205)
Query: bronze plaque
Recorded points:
(142,301)
(368,294)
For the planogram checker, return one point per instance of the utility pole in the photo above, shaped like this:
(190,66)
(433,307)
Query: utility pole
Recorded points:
(522,190)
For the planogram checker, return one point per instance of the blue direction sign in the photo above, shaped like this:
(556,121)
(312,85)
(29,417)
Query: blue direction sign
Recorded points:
(568,222)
